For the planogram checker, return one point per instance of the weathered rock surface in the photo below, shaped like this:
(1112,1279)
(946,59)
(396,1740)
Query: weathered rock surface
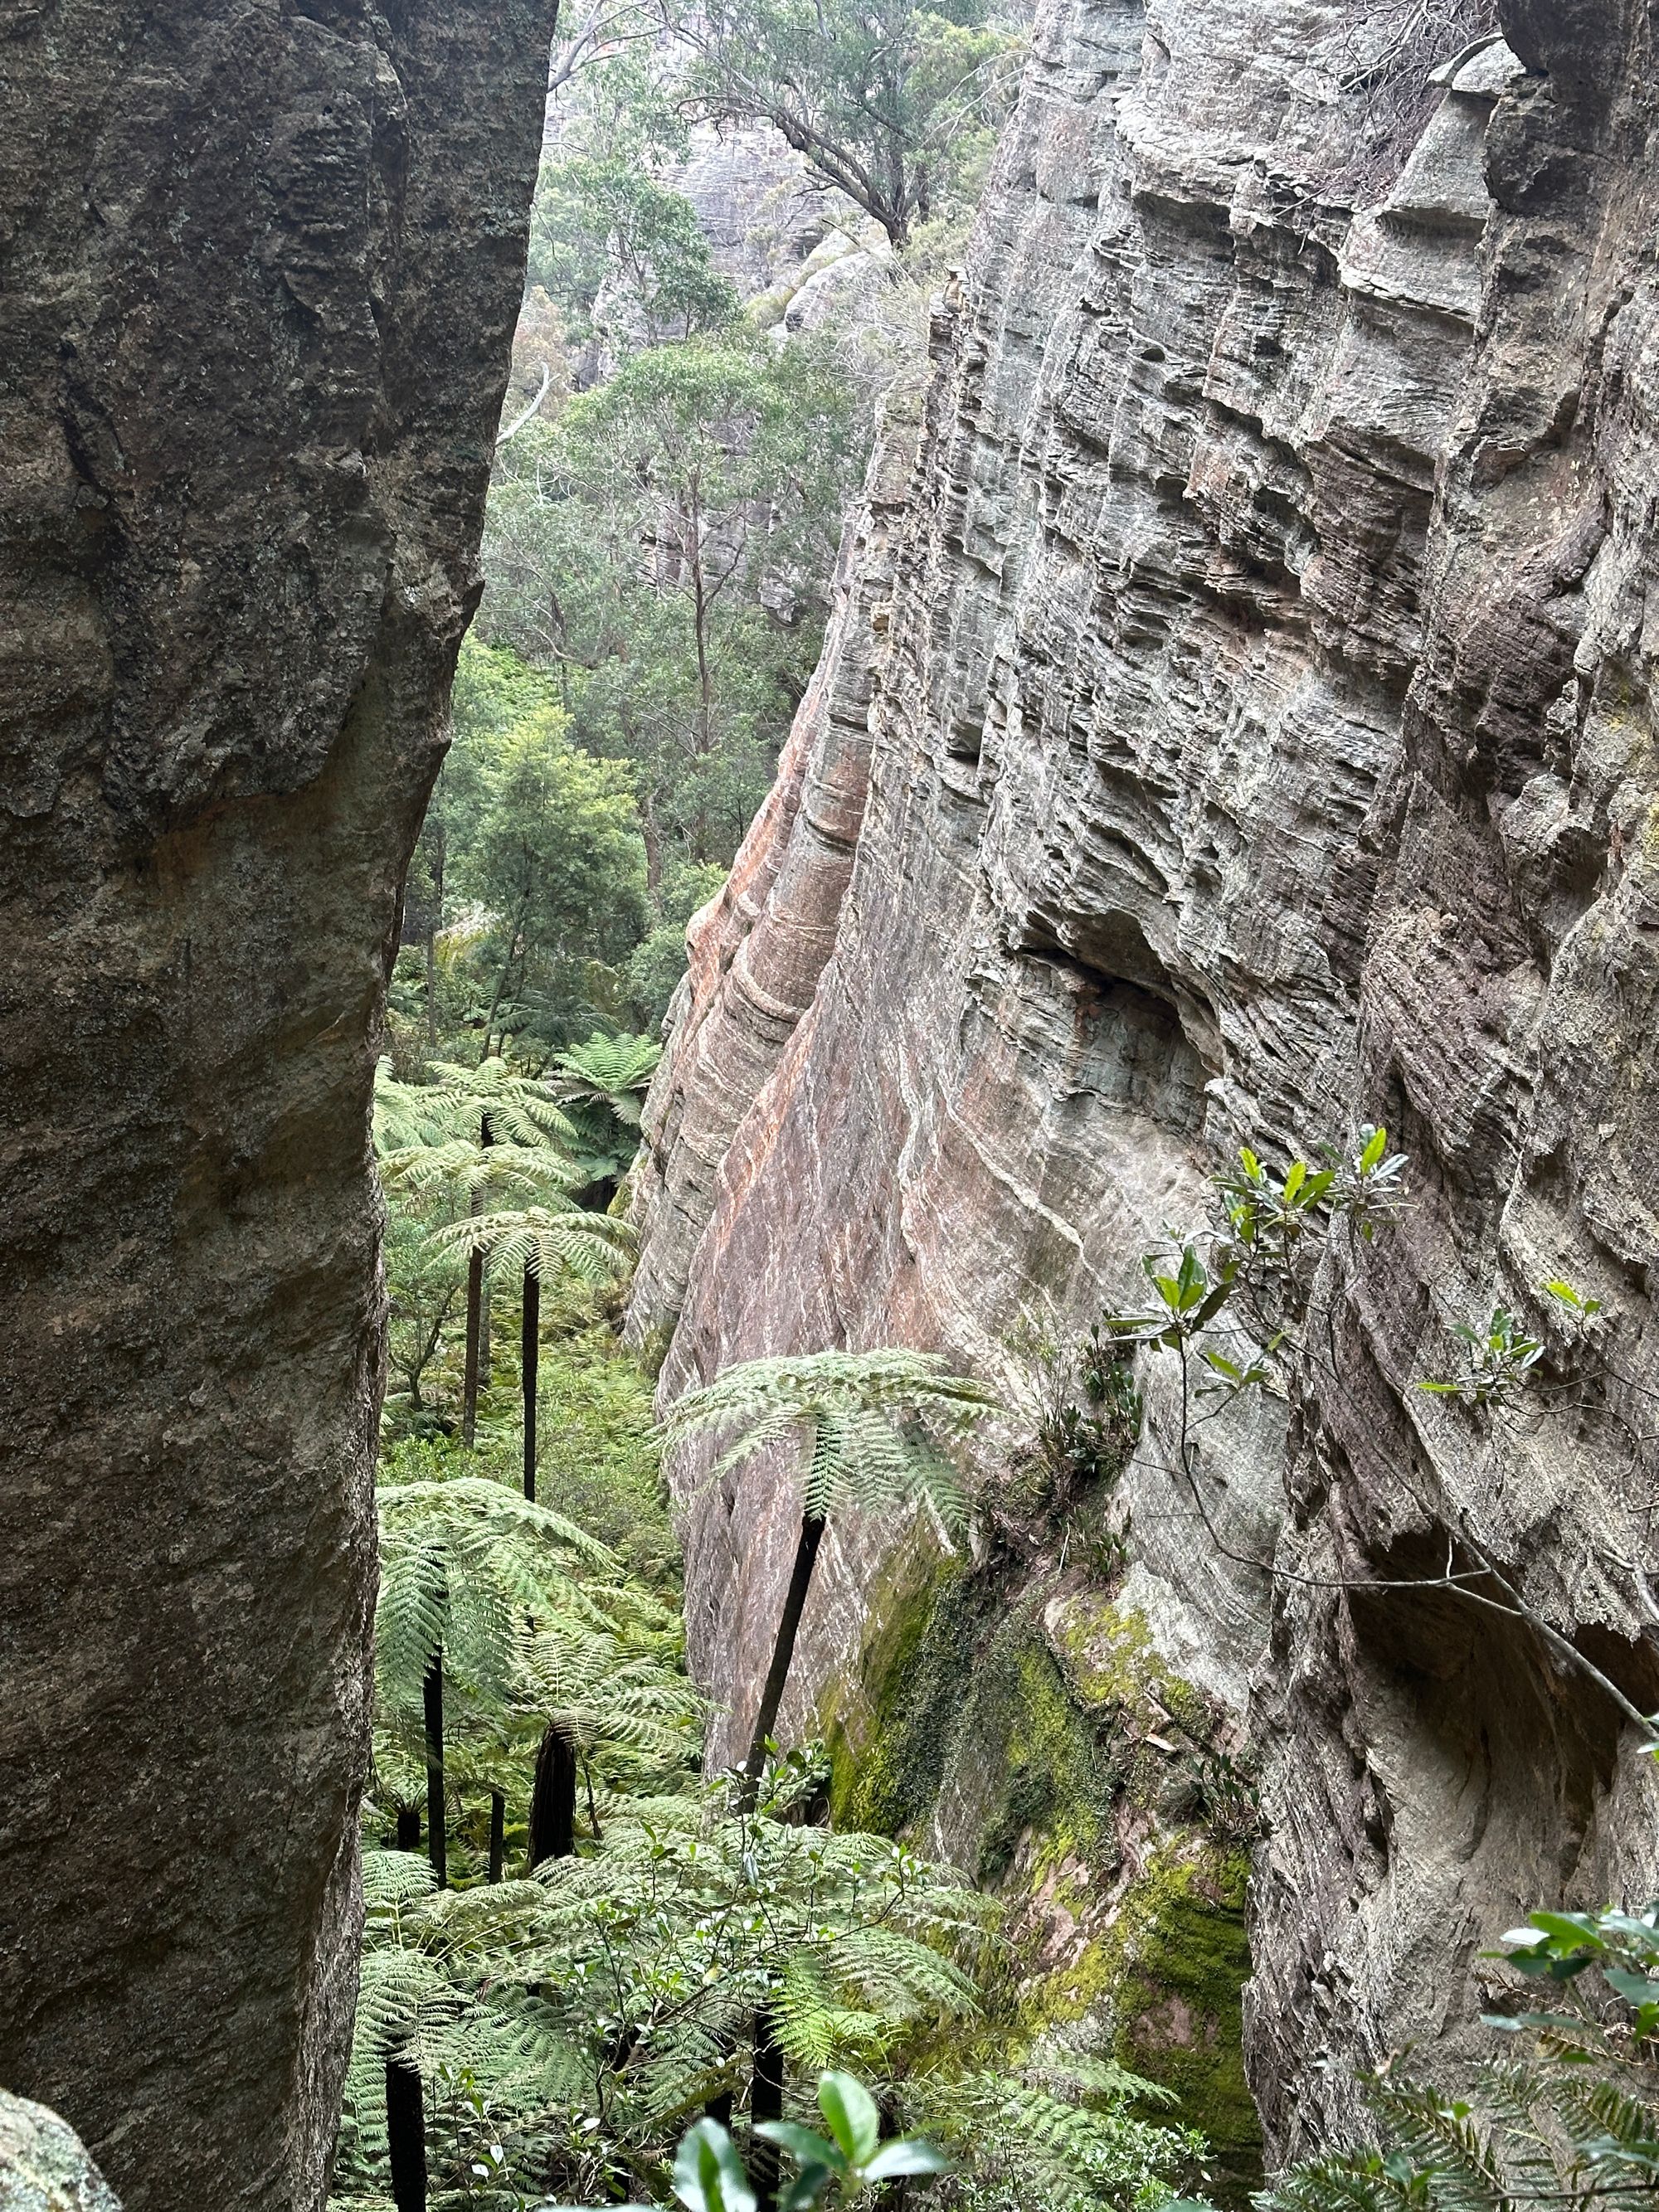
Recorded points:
(1243,733)
(762,209)
(260,268)
(44,2165)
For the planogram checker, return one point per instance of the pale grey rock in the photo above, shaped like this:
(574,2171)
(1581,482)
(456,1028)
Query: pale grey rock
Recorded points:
(1252,705)
(44,2167)
(762,208)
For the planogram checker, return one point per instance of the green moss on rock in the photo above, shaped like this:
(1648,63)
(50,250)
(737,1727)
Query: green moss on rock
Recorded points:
(1174,1964)
(1039,1751)
(890,1746)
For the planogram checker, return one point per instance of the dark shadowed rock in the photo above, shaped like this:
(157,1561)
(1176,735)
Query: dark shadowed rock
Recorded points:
(1251,713)
(260,267)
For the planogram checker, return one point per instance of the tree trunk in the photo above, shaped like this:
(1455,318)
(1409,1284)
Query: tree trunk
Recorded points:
(806,1552)
(530,1348)
(553,1803)
(497,1833)
(765,2103)
(435,923)
(405,2130)
(432,1701)
(474,1265)
(409,1827)
(474,1318)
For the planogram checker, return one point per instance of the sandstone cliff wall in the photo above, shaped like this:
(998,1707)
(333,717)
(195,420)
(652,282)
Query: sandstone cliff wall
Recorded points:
(1241,731)
(260,268)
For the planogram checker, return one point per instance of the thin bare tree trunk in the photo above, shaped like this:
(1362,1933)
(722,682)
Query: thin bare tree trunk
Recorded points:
(783,1650)
(530,1354)
(497,1834)
(476,1353)
(432,1703)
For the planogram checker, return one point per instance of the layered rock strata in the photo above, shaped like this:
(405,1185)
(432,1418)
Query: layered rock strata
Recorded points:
(260,271)
(1255,689)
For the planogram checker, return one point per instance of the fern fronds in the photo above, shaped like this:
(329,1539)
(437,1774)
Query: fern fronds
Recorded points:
(594,1248)
(877,1425)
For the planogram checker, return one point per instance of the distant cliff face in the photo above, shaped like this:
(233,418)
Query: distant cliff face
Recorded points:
(1237,730)
(260,267)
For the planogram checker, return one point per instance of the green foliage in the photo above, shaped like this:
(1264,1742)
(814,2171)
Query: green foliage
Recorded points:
(667,545)
(616,1992)
(879,1427)
(1496,1360)
(1571,2118)
(889,101)
(529,881)
(468,1569)
(622,255)
(540,1241)
(709,2177)
(657,963)
(1063,2136)
(603,1084)
(598,1457)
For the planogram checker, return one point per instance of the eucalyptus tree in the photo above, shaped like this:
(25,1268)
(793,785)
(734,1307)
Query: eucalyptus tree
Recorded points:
(878,95)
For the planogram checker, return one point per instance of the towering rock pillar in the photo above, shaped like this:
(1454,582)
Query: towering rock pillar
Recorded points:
(260,261)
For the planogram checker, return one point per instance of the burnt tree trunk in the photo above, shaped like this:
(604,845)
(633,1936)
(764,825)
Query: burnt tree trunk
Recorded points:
(432,1704)
(783,1650)
(530,1346)
(409,1827)
(497,1833)
(477,1338)
(553,1803)
(406,2134)
(765,2103)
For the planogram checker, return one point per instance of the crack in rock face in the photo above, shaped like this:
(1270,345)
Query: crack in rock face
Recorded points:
(1235,727)
(261,270)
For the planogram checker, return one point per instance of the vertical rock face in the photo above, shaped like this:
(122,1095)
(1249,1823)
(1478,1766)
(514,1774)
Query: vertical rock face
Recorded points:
(260,266)
(1250,707)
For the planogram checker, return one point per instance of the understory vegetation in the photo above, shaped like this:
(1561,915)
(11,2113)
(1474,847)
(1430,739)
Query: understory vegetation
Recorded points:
(578,1947)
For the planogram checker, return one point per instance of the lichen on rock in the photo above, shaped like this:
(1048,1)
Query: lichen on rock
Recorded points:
(44,2165)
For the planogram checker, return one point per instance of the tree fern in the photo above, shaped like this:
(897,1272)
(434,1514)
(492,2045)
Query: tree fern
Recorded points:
(541,1241)
(1569,2120)
(1061,2134)
(607,1070)
(879,1429)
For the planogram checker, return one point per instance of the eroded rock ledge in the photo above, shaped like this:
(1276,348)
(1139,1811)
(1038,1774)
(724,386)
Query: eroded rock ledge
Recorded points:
(260,269)
(1239,731)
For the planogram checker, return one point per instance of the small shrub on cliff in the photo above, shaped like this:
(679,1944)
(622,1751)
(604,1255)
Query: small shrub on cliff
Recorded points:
(1568,2117)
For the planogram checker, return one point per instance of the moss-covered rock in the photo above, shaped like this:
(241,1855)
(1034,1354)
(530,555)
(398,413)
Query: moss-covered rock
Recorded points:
(1171,1968)
(890,1737)
(1046,1746)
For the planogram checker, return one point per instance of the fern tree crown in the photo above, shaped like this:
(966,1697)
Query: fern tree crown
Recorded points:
(881,1428)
